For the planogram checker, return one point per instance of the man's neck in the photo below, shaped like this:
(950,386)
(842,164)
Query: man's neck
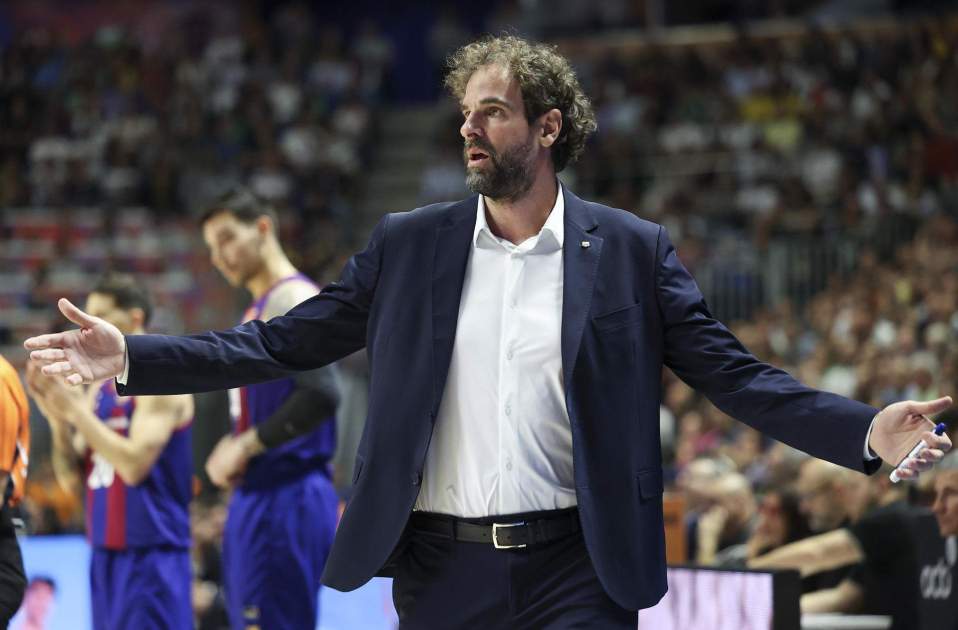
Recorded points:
(518,219)
(275,267)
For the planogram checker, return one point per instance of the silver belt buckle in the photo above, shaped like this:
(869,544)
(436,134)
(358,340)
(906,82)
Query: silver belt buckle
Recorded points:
(495,535)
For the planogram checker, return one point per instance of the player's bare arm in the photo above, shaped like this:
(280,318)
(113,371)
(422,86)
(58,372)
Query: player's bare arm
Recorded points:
(154,421)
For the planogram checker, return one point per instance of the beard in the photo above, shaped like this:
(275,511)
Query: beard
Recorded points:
(509,175)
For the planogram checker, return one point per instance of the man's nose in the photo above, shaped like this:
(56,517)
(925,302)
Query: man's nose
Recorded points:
(470,128)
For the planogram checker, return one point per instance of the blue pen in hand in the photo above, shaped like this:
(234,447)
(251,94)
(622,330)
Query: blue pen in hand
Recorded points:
(939,429)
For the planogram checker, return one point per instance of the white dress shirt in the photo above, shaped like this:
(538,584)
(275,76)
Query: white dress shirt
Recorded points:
(502,442)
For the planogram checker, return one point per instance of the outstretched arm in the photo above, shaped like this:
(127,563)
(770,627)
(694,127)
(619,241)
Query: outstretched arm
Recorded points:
(837,548)
(707,356)
(315,333)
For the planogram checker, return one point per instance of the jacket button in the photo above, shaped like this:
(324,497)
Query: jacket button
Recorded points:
(416,478)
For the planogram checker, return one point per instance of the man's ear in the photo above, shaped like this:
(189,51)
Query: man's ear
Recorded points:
(551,127)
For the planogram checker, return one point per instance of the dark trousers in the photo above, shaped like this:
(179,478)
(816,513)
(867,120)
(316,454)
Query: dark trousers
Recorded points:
(441,583)
(12,579)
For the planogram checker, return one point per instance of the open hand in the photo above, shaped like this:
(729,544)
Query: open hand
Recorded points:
(94,352)
(57,400)
(900,426)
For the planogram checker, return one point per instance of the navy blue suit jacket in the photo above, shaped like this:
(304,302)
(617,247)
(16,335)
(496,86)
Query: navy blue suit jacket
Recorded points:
(629,307)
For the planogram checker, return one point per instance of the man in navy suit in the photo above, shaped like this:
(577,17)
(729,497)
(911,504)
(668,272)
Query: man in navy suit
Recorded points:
(510,471)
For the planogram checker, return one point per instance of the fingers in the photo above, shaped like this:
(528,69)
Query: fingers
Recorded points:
(938,442)
(40,342)
(926,459)
(919,464)
(906,473)
(931,455)
(929,407)
(75,315)
(48,355)
(64,369)
(60,367)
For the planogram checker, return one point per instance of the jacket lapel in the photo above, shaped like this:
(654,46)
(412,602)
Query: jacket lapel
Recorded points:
(453,242)
(580,255)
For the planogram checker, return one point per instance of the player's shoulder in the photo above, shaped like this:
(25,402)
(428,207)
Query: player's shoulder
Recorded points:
(294,291)
(178,408)
(287,295)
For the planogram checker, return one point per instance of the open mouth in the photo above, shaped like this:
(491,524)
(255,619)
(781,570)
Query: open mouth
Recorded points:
(476,156)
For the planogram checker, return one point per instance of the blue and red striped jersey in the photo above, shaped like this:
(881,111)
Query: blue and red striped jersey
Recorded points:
(152,513)
(253,404)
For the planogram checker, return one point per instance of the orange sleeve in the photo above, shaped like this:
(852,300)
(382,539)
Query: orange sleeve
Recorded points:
(14,429)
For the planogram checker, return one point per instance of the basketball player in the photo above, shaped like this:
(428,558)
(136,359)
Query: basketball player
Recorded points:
(282,515)
(138,461)
(14,448)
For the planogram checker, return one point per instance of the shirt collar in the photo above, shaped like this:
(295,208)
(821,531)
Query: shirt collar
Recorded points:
(549,239)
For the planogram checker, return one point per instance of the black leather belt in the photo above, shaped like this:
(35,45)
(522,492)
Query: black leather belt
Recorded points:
(510,534)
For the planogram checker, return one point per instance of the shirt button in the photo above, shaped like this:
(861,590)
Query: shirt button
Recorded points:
(416,478)
(510,354)
(508,410)
(508,465)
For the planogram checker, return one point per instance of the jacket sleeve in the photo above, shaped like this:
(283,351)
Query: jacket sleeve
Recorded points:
(706,355)
(315,333)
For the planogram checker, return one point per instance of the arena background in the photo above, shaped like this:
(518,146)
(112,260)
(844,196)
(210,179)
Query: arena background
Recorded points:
(804,156)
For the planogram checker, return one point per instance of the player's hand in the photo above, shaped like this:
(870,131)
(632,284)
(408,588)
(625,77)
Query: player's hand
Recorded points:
(900,426)
(56,400)
(94,352)
(227,463)
(36,382)
(712,523)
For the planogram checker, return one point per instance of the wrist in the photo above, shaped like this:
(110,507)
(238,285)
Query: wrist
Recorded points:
(870,452)
(251,444)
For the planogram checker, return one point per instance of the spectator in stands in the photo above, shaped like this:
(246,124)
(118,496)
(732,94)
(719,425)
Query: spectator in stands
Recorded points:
(877,545)
(729,520)
(38,601)
(778,523)
(946,497)
(829,497)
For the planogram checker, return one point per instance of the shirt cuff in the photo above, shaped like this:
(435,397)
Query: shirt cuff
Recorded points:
(122,378)
(870,456)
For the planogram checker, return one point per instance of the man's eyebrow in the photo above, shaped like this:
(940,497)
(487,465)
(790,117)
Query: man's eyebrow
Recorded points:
(490,100)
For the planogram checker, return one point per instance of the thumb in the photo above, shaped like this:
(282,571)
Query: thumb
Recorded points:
(931,406)
(75,315)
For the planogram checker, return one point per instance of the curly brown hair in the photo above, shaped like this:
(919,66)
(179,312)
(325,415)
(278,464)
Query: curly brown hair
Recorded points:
(547,82)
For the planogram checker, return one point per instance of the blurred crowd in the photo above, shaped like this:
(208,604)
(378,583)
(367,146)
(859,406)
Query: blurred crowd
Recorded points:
(817,133)
(111,142)
(889,332)
(114,138)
